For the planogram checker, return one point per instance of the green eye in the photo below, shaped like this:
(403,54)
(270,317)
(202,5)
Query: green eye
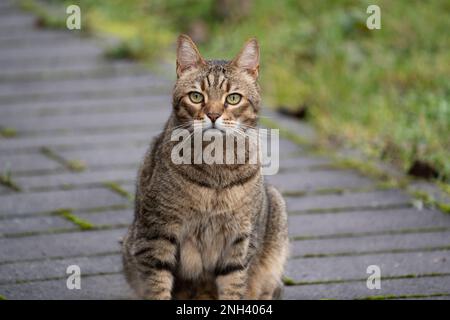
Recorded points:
(233,98)
(196,97)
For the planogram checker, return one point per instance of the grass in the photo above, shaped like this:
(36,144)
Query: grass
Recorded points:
(384,91)
(115,187)
(430,201)
(68,215)
(71,164)
(8,132)
(44,16)
(7,180)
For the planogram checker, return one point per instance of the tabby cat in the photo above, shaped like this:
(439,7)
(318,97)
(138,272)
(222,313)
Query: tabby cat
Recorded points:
(207,231)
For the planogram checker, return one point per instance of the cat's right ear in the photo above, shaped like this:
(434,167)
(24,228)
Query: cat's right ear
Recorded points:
(188,55)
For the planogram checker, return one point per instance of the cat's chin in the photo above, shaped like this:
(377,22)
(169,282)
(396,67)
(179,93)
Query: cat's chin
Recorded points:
(214,130)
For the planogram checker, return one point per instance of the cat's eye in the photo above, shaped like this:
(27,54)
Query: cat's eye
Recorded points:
(196,97)
(234,98)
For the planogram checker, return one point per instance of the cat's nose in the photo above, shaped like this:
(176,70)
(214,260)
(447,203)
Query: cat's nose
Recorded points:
(213,116)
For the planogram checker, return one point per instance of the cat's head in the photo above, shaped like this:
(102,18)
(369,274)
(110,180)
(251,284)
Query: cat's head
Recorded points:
(215,93)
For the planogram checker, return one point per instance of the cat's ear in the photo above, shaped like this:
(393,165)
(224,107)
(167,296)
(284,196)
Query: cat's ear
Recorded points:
(248,58)
(188,55)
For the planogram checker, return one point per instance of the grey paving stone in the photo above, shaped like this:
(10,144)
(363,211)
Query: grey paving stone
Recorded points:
(90,69)
(33,37)
(67,179)
(26,225)
(47,269)
(109,218)
(287,147)
(98,287)
(72,140)
(300,128)
(355,267)
(43,88)
(89,106)
(129,187)
(14,205)
(63,49)
(26,162)
(348,200)
(413,241)
(4,189)
(108,156)
(83,243)
(73,95)
(301,162)
(315,180)
(365,221)
(357,290)
(153,119)
(15,20)
(49,60)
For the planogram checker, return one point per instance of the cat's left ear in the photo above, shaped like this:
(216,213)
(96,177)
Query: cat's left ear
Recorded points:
(248,58)
(187,55)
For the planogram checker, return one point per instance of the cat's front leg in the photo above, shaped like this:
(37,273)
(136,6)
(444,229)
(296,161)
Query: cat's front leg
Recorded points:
(232,275)
(155,263)
(233,285)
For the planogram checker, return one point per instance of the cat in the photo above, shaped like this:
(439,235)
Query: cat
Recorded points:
(207,231)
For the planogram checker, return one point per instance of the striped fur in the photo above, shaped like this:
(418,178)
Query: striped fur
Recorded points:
(207,231)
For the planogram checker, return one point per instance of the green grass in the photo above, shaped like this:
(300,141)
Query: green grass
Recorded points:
(44,17)
(385,91)
(7,180)
(68,215)
(71,164)
(115,187)
(8,132)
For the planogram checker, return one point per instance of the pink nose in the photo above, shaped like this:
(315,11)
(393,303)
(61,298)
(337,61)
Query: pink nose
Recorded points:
(213,116)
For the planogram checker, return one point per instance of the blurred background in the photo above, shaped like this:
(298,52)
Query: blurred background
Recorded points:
(384,91)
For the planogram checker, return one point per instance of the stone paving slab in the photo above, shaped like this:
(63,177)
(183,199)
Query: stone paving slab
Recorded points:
(363,244)
(26,162)
(315,180)
(373,199)
(366,221)
(75,141)
(116,92)
(75,49)
(82,243)
(82,70)
(14,205)
(32,38)
(96,287)
(150,117)
(355,267)
(104,105)
(44,88)
(355,290)
(28,225)
(108,218)
(68,179)
(45,269)
(108,156)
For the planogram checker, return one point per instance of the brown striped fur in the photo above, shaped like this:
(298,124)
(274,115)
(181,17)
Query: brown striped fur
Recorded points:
(207,231)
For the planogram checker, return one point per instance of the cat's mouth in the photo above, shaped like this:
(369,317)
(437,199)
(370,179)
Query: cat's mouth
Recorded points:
(214,129)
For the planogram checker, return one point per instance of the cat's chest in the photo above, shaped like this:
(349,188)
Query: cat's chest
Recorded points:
(205,244)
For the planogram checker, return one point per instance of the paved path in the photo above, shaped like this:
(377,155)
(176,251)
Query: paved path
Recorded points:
(82,127)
